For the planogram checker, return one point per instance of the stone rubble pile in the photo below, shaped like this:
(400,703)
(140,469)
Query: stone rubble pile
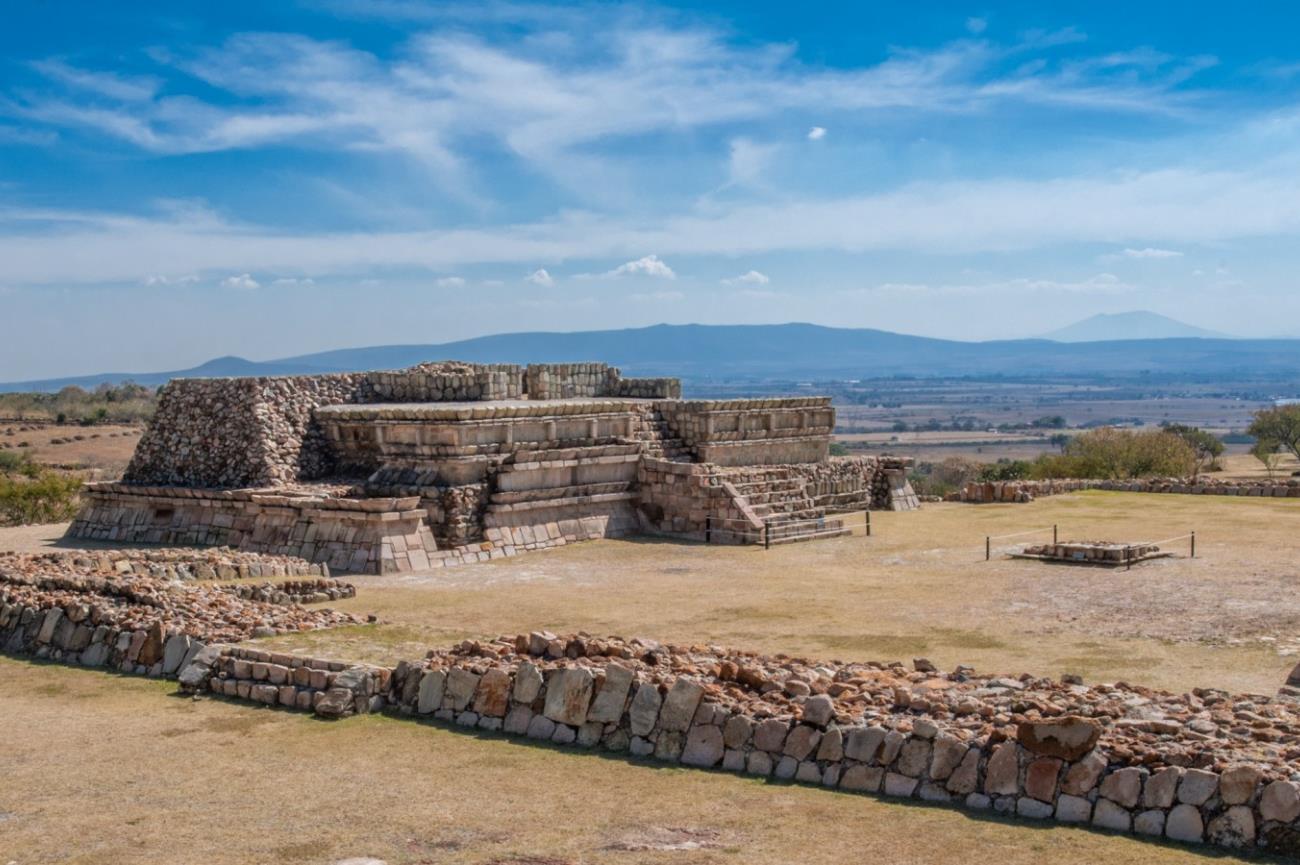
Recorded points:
(216,563)
(50,612)
(293,591)
(1026,491)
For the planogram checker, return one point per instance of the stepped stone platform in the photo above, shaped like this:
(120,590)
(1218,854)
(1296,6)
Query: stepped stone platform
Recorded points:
(451,463)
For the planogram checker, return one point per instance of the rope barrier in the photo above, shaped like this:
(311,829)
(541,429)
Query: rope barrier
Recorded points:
(1165,541)
(1018,534)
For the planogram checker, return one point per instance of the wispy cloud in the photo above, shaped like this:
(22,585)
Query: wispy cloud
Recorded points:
(1151,252)
(750,277)
(817,133)
(243,281)
(540,277)
(451,282)
(1099,284)
(657,296)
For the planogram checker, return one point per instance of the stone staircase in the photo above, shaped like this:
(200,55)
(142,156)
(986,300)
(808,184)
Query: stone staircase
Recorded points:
(782,503)
(658,439)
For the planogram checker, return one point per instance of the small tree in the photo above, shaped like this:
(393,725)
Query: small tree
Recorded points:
(1280,425)
(1206,445)
(1266,452)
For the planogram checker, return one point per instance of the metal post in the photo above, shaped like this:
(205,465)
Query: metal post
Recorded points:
(767,535)
(1128,558)
(868,513)
(1054,541)
(1193,544)
(708,530)
(988,548)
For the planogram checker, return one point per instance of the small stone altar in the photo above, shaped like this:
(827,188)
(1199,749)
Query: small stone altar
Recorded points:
(1104,553)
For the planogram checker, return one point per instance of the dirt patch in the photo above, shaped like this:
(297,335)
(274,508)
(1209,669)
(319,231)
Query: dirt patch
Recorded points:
(654,838)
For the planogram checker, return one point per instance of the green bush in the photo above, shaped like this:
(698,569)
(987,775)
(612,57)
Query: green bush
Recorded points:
(46,497)
(1116,454)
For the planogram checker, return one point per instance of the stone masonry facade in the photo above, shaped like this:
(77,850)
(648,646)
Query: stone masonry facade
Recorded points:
(448,463)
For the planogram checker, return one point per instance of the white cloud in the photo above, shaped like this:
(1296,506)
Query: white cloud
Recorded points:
(243,281)
(648,265)
(159,279)
(748,160)
(752,277)
(292,281)
(1098,284)
(976,25)
(817,133)
(450,282)
(540,277)
(1151,252)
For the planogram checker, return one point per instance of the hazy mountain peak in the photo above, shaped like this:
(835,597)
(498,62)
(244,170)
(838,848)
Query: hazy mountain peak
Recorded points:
(1137,324)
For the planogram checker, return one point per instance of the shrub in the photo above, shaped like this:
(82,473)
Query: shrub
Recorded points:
(1280,425)
(46,497)
(937,479)
(1111,454)
(1004,470)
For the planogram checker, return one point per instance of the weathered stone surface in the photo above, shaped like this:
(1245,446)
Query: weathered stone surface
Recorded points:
(568,693)
(862,743)
(460,687)
(818,710)
(528,682)
(1108,815)
(1040,778)
(866,779)
(1237,784)
(914,758)
(737,731)
(1001,776)
(1067,738)
(541,727)
(1150,823)
(759,763)
(786,767)
(607,708)
(1197,786)
(948,752)
(801,741)
(1234,828)
(965,777)
(492,697)
(831,748)
(890,747)
(1083,775)
(770,735)
(1184,824)
(1280,801)
(517,720)
(680,704)
(644,711)
(1073,809)
(1123,786)
(1161,787)
(432,685)
(703,746)
(1033,808)
(899,785)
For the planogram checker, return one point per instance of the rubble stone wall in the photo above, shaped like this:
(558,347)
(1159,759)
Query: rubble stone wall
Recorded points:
(798,721)
(239,432)
(1027,490)
(447,381)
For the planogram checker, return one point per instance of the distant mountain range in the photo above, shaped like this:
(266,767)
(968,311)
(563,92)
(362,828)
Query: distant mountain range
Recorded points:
(1140,324)
(697,352)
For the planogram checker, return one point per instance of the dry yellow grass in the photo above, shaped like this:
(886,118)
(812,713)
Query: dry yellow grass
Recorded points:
(918,586)
(106,770)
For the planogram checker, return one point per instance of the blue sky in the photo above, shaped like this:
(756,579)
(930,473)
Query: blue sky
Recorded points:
(185,180)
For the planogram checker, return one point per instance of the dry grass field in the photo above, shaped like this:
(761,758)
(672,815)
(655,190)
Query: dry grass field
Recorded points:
(108,769)
(106,447)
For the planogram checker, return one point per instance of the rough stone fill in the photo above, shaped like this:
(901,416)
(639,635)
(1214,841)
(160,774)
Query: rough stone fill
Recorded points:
(1027,491)
(1202,767)
(293,591)
(220,563)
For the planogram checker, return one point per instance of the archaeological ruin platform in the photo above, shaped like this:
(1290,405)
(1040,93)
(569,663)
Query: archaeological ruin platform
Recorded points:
(449,463)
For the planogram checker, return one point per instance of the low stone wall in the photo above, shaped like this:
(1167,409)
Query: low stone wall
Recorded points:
(446,381)
(344,534)
(293,591)
(1027,491)
(219,563)
(979,742)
